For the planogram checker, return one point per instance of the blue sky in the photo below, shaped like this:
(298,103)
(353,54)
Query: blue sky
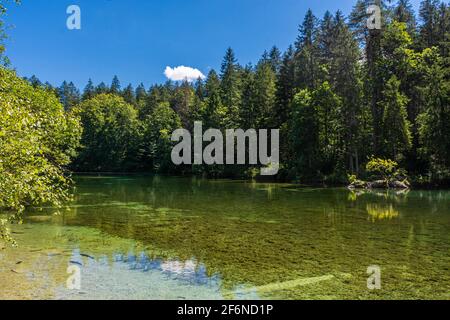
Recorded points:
(138,39)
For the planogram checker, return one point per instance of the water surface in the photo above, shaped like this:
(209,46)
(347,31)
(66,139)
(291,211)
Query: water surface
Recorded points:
(187,238)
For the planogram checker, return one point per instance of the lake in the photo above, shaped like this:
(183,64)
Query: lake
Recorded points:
(189,238)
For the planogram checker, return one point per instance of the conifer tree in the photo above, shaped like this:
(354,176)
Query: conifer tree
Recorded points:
(344,74)
(444,29)
(429,15)
(182,101)
(140,92)
(199,87)
(115,86)
(285,88)
(69,95)
(213,101)
(248,116)
(404,12)
(102,88)
(396,127)
(306,57)
(89,90)
(304,134)
(435,119)
(35,82)
(264,93)
(128,95)
(275,59)
(230,87)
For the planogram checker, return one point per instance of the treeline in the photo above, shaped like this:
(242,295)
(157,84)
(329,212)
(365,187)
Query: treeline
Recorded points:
(340,94)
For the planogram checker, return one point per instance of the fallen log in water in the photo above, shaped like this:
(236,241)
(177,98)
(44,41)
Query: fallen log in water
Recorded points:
(379,184)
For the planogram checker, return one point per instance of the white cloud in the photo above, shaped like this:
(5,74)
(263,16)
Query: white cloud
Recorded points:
(183,73)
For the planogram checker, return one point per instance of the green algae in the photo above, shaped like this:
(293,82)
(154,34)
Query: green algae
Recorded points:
(266,239)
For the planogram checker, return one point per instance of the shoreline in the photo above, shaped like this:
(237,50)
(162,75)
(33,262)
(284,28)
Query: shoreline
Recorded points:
(415,185)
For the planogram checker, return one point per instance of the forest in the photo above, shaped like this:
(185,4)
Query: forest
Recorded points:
(341,94)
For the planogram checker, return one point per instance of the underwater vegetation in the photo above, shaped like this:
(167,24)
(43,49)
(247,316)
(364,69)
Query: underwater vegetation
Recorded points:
(225,239)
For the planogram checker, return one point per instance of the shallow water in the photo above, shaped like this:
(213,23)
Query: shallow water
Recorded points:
(183,238)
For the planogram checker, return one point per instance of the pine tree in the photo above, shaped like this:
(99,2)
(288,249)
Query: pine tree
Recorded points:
(197,110)
(443,27)
(435,119)
(200,88)
(307,31)
(304,134)
(307,59)
(115,86)
(48,86)
(230,87)
(285,88)
(374,80)
(128,95)
(102,88)
(264,93)
(182,101)
(35,82)
(69,95)
(359,16)
(213,102)
(248,116)
(429,15)
(404,12)
(326,37)
(89,91)
(396,127)
(344,74)
(198,105)
(329,119)
(275,59)
(141,93)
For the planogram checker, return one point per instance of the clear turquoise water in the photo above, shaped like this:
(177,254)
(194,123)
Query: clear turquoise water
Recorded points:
(187,238)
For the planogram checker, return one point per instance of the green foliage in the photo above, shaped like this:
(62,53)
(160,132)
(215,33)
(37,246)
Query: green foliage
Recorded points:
(285,88)
(111,134)
(3,5)
(4,61)
(404,12)
(264,93)
(385,169)
(396,127)
(434,121)
(352,178)
(68,95)
(340,93)
(89,90)
(304,132)
(157,144)
(115,86)
(213,102)
(37,142)
(315,129)
(230,86)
